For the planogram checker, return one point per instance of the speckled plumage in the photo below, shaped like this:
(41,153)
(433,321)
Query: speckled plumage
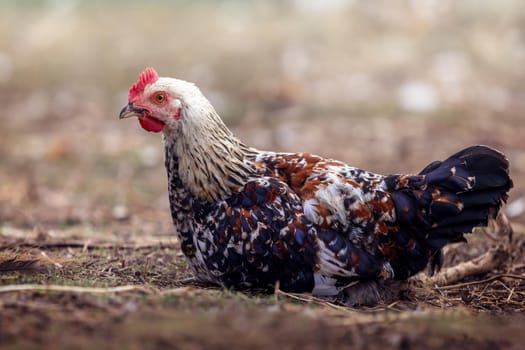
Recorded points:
(248,219)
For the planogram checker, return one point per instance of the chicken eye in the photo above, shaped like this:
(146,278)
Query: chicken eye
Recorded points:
(159,98)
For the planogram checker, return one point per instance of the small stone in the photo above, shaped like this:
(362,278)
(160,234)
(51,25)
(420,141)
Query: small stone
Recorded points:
(515,208)
(120,212)
(418,96)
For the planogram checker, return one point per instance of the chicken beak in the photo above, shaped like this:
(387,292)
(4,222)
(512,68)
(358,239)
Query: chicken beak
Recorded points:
(129,111)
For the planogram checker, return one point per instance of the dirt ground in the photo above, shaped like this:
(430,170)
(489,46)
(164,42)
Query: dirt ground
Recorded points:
(88,255)
(160,305)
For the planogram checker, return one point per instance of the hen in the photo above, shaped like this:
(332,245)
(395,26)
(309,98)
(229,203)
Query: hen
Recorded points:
(248,219)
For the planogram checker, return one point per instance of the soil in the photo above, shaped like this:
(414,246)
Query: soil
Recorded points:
(166,308)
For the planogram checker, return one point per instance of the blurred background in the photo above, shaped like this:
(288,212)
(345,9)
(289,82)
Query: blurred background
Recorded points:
(384,85)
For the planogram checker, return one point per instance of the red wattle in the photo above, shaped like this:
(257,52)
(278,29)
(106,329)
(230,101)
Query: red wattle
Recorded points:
(151,124)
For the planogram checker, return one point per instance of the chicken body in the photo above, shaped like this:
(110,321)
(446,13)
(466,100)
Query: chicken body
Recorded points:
(248,219)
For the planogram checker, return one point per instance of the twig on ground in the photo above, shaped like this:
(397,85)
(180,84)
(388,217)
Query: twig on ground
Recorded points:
(187,290)
(185,280)
(304,299)
(309,299)
(86,245)
(483,281)
(72,289)
(495,258)
(483,264)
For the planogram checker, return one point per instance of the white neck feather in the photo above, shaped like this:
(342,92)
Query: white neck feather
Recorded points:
(212,161)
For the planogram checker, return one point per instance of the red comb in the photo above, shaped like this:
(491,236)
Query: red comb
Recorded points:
(149,76)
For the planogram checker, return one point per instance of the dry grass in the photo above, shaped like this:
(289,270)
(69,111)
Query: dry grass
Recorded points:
(131,294)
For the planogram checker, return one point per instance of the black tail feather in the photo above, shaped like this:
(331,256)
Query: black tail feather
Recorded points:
(446,200)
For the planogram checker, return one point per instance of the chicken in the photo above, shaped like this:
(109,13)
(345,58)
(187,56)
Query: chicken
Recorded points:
(249,219)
